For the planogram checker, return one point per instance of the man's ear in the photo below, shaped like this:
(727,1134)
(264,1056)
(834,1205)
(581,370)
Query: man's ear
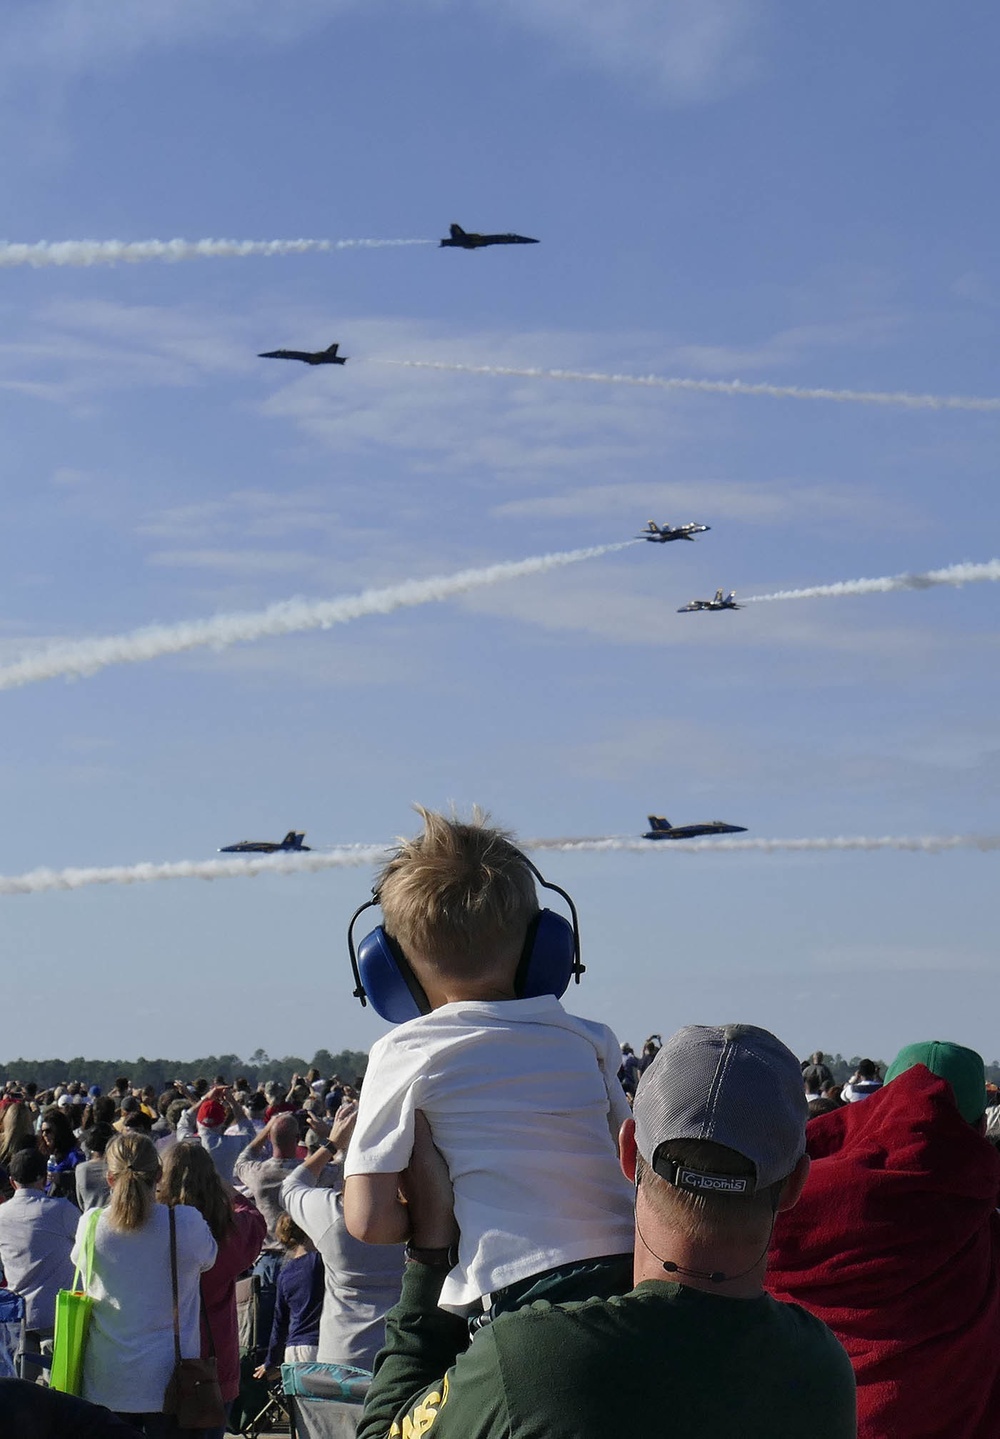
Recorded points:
(791,1190)
(626,1149)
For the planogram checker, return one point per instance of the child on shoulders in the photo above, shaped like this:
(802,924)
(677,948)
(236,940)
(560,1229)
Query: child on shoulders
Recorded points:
(522,1098)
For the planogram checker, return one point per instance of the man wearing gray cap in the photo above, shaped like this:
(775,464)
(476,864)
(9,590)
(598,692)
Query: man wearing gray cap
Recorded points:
(716,1149)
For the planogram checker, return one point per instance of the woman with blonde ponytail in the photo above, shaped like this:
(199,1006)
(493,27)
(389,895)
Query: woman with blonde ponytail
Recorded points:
(130,1345)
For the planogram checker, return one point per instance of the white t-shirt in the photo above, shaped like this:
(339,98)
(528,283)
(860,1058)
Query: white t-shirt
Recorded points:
(130,1342)
(524,1103)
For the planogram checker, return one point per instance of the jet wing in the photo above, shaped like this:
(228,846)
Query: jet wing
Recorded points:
(306,355)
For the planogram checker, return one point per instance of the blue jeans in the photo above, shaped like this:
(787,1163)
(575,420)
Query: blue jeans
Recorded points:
(585,1279)
(266,1269)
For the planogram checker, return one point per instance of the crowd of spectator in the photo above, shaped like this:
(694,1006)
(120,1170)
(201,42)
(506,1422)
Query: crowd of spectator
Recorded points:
(519,1226)
(231,1163)
(256,1179)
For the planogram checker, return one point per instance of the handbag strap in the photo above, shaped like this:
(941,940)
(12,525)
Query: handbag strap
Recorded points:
(203,1316)
(173,1281)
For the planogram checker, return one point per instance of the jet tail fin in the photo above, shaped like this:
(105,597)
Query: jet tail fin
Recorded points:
(456,232)
(292,840)
(656,821)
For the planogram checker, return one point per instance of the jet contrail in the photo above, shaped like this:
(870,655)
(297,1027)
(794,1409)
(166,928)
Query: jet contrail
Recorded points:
(135,252)
(87,656)
(964,574)
(897,398)
(39,881)
(926,844)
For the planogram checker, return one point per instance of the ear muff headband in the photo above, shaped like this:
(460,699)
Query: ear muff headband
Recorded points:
(550,959)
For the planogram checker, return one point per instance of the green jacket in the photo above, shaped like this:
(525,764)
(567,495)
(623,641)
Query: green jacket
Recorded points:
(663,1357)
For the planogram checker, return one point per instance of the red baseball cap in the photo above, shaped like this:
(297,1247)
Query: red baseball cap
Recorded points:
(211,1113)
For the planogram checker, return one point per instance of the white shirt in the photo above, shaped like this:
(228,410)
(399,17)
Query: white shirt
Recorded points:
(130,1342)
(36,1235)
(524,1103)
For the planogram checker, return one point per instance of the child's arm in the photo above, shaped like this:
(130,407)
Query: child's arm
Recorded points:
(373,1210)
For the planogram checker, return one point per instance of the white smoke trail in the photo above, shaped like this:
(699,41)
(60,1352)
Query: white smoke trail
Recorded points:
(135,252)
(39,881)
(87,656)
(925,844)
(896,398)
(963,574)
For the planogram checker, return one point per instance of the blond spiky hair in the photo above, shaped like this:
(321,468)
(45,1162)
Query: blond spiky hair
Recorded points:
(459,896)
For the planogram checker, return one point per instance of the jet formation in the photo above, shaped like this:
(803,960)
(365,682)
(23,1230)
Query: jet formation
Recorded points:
(328,356)
(660,534)
(660,828)
(460,239)
(720,602)
(292,843)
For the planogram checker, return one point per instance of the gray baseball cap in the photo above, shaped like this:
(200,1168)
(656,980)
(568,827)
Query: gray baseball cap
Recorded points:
(733,1084)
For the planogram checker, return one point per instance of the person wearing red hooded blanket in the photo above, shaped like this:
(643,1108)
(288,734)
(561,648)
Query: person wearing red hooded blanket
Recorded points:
(895,1244)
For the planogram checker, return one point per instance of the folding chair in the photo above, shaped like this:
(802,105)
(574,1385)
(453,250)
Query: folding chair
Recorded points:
(325,1401)
(12,1332)
(17,1361)
(259,1406)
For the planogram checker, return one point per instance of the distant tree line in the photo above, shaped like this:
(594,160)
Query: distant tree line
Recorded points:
(47,1073)
(842,1068)
(259,1067)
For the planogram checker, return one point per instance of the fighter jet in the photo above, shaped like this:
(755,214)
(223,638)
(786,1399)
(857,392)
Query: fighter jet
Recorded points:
(292,842)
(464,240)
(660,534)
(721,602)
(310,357)
(660,828)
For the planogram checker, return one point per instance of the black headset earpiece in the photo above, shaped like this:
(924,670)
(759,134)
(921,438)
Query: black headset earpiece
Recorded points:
(550,958)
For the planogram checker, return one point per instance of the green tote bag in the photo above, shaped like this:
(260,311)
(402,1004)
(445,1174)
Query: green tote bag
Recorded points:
(73,1308)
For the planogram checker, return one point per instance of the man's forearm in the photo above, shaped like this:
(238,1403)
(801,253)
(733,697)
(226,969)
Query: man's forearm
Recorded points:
(320,1158)
(422,1343)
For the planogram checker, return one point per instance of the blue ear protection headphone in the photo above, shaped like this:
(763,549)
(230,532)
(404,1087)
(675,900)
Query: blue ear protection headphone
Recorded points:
(549,959)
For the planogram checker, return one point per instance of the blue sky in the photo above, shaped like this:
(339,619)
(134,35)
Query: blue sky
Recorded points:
(722,188)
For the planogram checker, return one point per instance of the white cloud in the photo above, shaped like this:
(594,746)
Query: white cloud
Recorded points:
(245,515)
(247,563)
(93,346)
(688,50)
(73,38)
(615,602)
(704,501)
(684,50)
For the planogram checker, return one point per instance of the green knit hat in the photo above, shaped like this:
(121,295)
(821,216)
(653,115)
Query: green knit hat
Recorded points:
(962,1068)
